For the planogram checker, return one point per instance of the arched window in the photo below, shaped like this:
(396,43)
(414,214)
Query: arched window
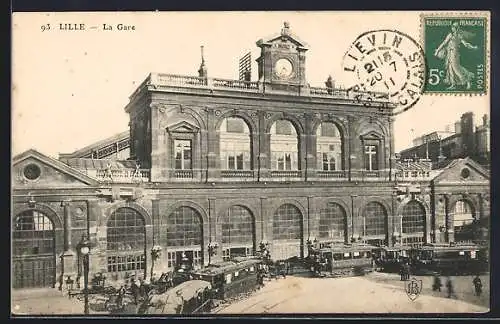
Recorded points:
(413,218)
(284,146)
(126,242)
(463,221)
(328,147)
(184,234)
(235,144)
(33,249)
(374,215)
(287,223)
(237,232)
(332,223)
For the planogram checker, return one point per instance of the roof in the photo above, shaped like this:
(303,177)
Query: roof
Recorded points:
(84,163)
(223,267)
(167,302)
(56,164)
(413,165)
(348,247)
(285,33)
(97,145)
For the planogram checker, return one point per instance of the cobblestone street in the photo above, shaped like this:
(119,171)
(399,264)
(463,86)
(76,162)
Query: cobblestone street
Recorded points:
(375,293)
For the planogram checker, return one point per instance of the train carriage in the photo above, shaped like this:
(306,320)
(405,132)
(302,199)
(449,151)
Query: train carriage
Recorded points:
(341,260)
(231,278)
(467,258)
(390,258)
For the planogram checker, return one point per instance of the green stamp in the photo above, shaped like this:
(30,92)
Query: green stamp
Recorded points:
(455,53)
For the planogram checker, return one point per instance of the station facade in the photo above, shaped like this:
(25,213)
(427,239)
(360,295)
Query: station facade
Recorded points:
(217,167)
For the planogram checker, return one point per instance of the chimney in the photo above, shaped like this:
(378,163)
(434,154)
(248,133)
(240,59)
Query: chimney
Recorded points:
(485,120)
(202,71)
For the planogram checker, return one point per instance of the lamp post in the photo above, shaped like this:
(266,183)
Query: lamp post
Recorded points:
(212,250)
(84,247)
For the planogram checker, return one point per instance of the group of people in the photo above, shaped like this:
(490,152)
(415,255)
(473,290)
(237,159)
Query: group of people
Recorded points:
(436,286)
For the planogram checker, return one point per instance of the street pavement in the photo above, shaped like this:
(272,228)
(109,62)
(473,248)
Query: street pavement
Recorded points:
(374,293)
(343,295)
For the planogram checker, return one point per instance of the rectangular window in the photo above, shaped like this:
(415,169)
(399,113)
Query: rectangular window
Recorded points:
(239,161)
(281,162)
(288,161)
(371,157)
(183,154)
(231,165)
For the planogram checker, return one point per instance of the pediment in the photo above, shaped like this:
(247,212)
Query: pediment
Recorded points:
(33,169)
(183,127)
(463,171)
(286,36)
(372,135)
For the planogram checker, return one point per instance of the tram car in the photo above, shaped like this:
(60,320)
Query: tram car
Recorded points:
(454,259)
(390,258)
(342,260)
(189,297)
(231,278)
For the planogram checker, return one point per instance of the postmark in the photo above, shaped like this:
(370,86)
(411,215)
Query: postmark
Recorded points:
(387,61)
(413,288)
(456,53)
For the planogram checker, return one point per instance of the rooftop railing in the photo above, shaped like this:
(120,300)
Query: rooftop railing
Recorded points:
(159,80)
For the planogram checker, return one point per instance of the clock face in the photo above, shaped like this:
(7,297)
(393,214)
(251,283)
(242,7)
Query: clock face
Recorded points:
(283,68)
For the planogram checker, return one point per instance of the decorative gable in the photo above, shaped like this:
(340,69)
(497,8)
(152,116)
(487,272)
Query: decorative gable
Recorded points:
(32,169)
(182,127)
(463,171)
(372,135)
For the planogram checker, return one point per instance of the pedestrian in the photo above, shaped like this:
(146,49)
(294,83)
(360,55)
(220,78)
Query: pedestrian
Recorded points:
(478,285)
(449,286)
(402,272)
(436,286)
(407,271)
(135,290)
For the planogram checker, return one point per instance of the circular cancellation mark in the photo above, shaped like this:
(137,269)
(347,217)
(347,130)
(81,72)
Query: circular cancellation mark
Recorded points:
(387,61)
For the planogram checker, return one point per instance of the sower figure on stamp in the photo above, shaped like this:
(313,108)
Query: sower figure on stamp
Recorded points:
(449,50)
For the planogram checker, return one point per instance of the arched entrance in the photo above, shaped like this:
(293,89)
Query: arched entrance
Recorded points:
(464,221)
(184,234)
(332,224)
(33,249)
(287,232)
(238,232)
(126,243)
(374,223)
(413,223)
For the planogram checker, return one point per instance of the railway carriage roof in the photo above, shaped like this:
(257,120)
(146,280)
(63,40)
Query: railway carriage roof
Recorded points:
(348,248)
(223,267)
(170,299)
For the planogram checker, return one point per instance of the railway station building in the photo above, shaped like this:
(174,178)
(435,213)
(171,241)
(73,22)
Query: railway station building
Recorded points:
(212,168)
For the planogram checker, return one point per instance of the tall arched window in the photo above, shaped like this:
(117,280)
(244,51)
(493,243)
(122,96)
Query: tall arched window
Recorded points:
(235,144)
(328,147)
(413,218)
(374,215)
(284,146)
(332,225)
(126,242)
(237,232)
(184,234)
(33,250)
(287,232)
(463,221)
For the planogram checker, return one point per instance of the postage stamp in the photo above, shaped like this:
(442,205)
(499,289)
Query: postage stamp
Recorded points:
(456,53)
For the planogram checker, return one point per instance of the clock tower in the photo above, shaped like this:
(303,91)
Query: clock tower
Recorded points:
(282,63)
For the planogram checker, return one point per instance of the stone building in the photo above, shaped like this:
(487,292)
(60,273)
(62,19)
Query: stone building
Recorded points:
(465,140)
(218,166)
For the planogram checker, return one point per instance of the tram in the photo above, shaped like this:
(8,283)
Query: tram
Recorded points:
(389,258)
(231,278)
(453,258)
(342,260)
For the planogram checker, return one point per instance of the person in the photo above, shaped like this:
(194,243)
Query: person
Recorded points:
(449,51)
(407,270)
(402,272)
(449,286)
(134,287)
(436,286)
(478,285)
(329,84)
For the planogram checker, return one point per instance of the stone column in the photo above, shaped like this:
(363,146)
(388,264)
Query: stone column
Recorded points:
(264,148)
(212,220)
(68,268)
(392,218)
(450,233)
(212,138)
(354,233)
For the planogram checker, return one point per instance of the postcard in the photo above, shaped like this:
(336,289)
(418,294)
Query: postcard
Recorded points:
(250,163)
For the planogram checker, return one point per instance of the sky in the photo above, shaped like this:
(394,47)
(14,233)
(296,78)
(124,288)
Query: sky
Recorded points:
(70,88)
